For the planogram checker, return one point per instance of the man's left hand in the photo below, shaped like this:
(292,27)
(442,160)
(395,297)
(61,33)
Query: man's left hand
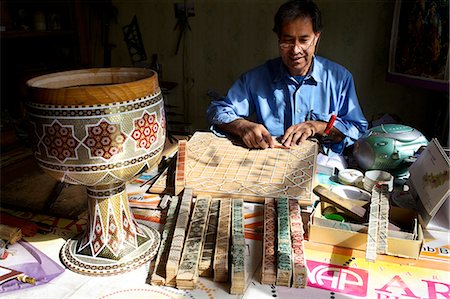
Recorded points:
(297,134)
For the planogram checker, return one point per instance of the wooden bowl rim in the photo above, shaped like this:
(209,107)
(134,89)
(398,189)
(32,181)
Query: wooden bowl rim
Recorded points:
(93,86)
(86,73)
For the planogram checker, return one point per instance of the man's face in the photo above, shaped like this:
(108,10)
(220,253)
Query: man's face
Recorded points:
(297,45)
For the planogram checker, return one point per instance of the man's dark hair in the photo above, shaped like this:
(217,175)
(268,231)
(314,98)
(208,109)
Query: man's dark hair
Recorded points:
(294,9)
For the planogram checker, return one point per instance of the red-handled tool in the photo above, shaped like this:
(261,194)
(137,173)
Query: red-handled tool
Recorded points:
(330,124)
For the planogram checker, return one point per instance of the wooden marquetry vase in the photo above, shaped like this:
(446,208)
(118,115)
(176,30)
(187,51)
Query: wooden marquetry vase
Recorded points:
(100,128)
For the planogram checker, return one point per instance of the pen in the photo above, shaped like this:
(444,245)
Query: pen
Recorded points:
(330,124)
(327,132)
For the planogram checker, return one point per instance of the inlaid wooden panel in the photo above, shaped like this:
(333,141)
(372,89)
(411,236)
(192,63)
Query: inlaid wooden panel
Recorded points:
(222,167)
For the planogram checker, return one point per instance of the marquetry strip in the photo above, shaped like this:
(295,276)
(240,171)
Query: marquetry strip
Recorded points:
(188,270)
(220,266)
(284,266)
(238,277)
(159,272)
(179,233)
(269,260)
(383,220)
(372,233)
(299,271)
(205,267)
(164,201)
(180,178)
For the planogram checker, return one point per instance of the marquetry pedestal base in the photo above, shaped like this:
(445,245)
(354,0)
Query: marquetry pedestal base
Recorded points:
(113,242)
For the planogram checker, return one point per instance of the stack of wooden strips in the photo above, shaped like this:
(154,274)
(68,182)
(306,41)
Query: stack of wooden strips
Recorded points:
(220,265)
(284,257)
(158,276)
(378,223)
(206,242)
(299,271)
(206,263)
(269,262)
(176,247)
(215,240)
(238,273)
(188,270)
(283,235)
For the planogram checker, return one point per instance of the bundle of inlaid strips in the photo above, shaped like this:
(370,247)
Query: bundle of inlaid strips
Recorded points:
(283,262)
(196,242)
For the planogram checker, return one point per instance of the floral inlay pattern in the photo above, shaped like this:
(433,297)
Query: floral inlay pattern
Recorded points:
(104,140)
(60,141)
(146,130)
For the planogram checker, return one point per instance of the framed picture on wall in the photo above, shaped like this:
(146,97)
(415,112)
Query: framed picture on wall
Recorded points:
(419,49)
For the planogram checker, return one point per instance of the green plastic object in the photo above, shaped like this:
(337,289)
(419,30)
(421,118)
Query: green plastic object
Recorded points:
(389,147)
(336,217)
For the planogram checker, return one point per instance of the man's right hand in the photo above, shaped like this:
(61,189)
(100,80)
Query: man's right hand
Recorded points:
(252,134)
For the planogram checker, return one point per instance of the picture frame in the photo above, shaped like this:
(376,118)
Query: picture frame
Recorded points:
(419,46)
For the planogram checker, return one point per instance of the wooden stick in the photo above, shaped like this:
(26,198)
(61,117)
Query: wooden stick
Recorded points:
(220,266)
(205,267)
(384,220)
(180,177)
(372,233)
(238,273)
(179,233)
(300,272)
(165,201)
(269,263)
(378,222)
(188,270)
(284,267)
(158,276)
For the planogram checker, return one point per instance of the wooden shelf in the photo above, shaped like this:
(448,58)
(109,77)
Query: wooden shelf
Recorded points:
(35,34)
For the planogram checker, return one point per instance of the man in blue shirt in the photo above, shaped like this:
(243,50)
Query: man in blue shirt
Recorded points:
(294,95)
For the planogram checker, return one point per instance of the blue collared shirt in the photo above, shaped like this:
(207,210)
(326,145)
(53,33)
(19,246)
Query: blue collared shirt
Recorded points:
(279,101)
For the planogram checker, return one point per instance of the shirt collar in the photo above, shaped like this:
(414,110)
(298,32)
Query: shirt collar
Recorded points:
(316,70)
(313,72)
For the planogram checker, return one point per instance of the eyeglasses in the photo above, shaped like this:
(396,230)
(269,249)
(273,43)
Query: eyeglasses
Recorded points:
(303,46)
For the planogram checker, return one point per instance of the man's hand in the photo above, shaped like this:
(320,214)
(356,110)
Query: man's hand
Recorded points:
(297,134)
(252,134)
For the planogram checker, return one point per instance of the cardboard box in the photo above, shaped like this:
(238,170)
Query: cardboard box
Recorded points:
(350,235)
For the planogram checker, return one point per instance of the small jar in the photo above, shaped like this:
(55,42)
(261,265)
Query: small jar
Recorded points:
(39,21)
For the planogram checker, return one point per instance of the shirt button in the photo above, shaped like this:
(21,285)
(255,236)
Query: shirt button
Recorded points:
(298,110)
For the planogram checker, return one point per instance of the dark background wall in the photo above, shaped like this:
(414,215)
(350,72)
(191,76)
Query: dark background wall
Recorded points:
(230,36)
(226,38)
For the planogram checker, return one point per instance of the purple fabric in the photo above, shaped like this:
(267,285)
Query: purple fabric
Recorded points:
(43,270)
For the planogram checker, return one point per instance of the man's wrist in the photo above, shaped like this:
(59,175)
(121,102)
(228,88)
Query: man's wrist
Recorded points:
(234,127)
(319,127)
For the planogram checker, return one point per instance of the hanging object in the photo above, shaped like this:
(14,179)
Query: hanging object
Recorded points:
(182,12)
(133,39)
